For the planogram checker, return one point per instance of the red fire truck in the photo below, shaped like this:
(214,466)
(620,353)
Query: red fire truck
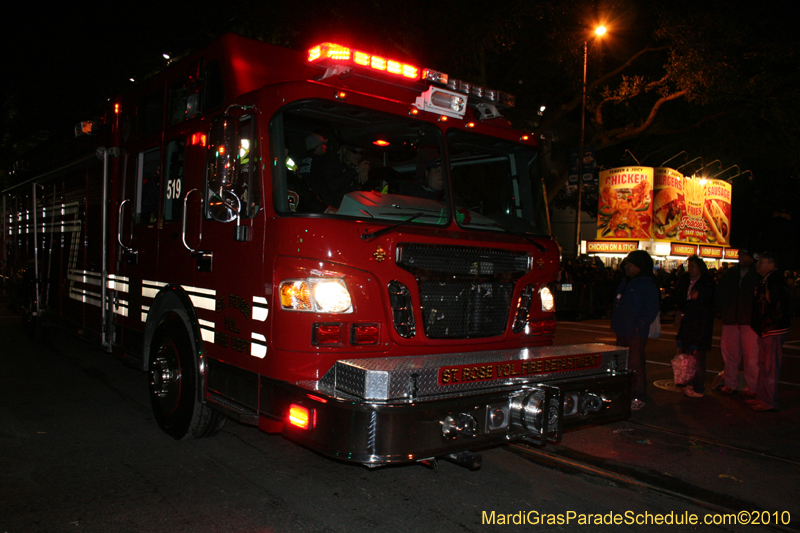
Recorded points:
(347,249)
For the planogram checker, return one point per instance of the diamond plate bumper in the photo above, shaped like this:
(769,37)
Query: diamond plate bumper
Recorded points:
(427,377)
(403,409)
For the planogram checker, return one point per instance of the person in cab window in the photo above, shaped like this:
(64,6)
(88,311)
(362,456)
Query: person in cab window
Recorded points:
(301,198)
(330,178)
(432,184)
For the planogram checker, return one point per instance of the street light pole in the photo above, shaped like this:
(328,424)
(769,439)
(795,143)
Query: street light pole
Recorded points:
(580,154)
(599,31)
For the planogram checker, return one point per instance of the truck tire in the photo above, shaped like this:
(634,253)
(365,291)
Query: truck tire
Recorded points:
(173,384)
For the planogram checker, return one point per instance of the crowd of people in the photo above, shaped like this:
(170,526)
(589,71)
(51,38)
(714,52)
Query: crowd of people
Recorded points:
(753,299)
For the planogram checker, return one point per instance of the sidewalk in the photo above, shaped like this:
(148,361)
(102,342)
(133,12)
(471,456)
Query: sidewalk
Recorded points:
(716,416)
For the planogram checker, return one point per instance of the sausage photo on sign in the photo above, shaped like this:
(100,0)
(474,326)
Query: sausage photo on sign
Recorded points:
(717,221)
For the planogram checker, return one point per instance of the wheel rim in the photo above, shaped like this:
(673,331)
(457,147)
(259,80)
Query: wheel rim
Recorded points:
(165,378)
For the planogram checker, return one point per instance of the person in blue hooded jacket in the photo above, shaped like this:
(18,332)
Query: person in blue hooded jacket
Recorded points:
(635,308)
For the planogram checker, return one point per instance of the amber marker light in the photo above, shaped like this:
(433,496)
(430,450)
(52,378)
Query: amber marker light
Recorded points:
(299,416)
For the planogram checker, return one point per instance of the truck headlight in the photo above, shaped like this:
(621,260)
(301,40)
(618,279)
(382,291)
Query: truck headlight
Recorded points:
(321,295)
(331,296)
(548,302)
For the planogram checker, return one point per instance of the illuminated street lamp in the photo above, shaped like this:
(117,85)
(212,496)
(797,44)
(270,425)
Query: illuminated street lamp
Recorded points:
(599,32)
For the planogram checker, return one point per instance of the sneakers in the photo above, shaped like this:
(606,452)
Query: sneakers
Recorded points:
(689,391)
(748,392)
(728,391)
(637,404)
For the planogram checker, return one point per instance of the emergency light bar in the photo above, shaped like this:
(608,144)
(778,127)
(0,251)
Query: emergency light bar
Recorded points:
(482,94)
(338,59)
(330,54)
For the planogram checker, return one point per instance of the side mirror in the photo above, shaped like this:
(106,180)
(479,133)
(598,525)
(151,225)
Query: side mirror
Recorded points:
(224,206)
(224,153)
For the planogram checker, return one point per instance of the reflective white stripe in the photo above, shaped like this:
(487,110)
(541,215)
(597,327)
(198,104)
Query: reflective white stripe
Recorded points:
(260,309)
(207,335)
(210,292)
(258,348)
(117,286)
(204,303)
(121,307)
(206,330)
(151,288)
(88,297)
(145,310)
(202,298)
(84,276)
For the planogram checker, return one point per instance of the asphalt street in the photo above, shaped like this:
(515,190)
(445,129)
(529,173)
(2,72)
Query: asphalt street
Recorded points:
(79,452)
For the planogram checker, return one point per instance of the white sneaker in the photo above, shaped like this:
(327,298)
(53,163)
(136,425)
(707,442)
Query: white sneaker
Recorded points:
(637,404)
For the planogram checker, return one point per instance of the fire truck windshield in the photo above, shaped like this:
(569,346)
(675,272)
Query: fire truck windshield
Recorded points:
(496,184)
(354,162)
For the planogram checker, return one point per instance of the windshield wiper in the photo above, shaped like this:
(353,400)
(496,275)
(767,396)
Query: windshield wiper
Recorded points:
(368,236)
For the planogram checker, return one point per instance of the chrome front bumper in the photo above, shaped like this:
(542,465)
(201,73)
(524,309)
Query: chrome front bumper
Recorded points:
(404,409)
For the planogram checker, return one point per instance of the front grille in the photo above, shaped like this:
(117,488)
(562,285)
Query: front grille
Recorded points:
(464,292)
(463,309)
(461,260)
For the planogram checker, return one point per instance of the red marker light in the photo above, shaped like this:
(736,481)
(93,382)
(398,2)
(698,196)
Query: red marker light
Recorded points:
(380,142)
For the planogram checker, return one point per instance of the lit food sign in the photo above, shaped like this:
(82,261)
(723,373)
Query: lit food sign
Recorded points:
(625,203)
(611,247)
(690,210)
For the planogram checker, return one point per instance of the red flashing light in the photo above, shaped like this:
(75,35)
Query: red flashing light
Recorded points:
(327,53)
(316,398)
(326,334)
(366,334)
(116,108)
(380,142)
(199,138)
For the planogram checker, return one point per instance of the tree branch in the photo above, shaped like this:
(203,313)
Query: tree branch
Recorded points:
(628,132)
